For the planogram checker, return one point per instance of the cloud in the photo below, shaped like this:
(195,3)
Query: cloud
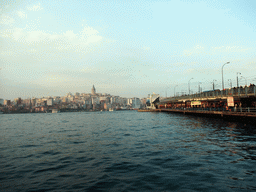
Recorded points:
(63,41)
(90,35)
(35,8)
(22,14)
(6,20)
(229,49)
(55,79)
(194,51)
(6,53)
(146,48)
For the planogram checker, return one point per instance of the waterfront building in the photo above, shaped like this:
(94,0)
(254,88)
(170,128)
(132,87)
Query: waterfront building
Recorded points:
(33,102)
(107,106)
(232,98)
(69,94)
(71,98)
(77,95)
(64,99)
(123,101)
(95,100)
(129,101)
(152,100)
(17,101)
(103,99)
(57,100)
(96,107)
(7,102)
(136,104)
(50,101)
(26,102)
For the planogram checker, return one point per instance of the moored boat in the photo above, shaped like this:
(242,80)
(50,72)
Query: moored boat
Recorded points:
(55,111)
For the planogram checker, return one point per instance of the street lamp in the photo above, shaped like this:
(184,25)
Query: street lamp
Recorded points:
(230,82)
(222,75)
(213,84)
(174,90)
(189,85)
(199,90)
(245,80)
(237,78)
(166,91)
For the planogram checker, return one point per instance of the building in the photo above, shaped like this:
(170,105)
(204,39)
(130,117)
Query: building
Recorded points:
(136,103)
(50,101)
(17,101)
(152,100)
(95,100)
(7,102)
(33,102)
(1,102)
(93,91)
(77,95)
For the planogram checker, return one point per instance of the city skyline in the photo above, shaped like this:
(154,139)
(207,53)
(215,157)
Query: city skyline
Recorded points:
(74,96)
(129,49)
(71,103)
(90,93)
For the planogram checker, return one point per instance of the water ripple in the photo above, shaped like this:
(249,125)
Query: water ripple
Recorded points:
(125,151)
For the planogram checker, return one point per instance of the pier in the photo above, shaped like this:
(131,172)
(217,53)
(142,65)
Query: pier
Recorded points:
(245,115)
(235,103)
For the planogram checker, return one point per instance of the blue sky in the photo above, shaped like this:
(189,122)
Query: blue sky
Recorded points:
(126,48)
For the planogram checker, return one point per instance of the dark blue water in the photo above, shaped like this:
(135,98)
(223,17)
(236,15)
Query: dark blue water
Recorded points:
(125,151)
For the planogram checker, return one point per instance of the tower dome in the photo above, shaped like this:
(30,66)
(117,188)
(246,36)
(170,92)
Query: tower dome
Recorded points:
(93,90)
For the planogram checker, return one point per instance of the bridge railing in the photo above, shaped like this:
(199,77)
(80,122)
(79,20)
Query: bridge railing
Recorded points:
(236,91)
(238,109)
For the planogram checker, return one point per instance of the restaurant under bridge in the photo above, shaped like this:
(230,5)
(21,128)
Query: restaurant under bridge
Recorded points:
(230,103)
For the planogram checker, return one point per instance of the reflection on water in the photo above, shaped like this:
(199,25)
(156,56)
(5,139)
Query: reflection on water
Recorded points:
(125,151)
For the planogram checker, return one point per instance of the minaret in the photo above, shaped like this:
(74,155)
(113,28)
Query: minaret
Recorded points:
(93,90)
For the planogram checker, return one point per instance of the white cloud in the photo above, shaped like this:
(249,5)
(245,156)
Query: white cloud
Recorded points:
(6,53)
(146,48)
(90,35)
(6,20)
(70,35)
(32,50)
(69,38)
(35,36)
(195,50)
(89,31)
(22,14)
(55,79)
(35,8)
(229,49)
(15,33)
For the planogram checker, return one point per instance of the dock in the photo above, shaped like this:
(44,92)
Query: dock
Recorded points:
(244,116)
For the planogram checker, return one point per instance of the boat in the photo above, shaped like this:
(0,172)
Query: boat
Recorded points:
(55,111)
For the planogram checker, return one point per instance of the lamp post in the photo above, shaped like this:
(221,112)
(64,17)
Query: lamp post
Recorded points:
(174,89)
(189,85)
(230,82)
(166,91)
(199,90)
(222,75)
(245,80)
(213,84)
(237,78)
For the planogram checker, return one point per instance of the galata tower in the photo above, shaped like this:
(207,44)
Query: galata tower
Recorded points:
(93,90)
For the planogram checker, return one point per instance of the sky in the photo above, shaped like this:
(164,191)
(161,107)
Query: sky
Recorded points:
(125,48)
